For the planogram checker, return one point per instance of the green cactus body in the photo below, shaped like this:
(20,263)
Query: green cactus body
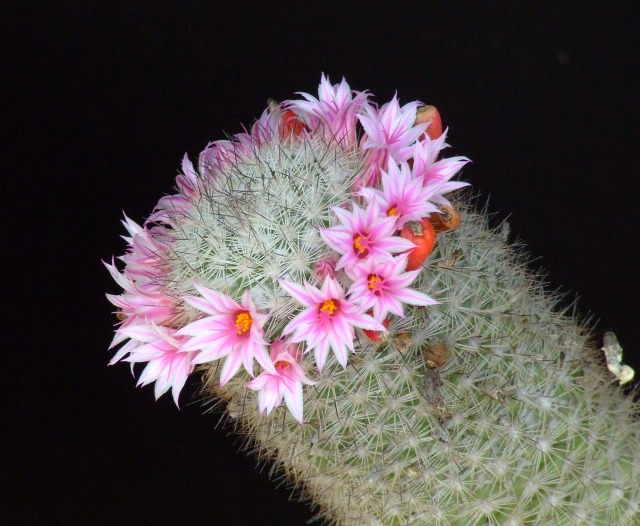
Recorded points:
(521,425)
(489,408)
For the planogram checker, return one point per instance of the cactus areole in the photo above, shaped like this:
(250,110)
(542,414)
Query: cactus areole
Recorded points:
(453,391)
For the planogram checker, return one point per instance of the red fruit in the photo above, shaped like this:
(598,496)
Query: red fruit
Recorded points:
(423,236)
(290,125)
(431,115)
(376,336)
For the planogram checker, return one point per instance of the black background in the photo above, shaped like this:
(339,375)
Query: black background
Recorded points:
(103,98)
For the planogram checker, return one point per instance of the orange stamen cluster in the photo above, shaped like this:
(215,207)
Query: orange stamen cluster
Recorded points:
(360,245)
(373,280)
(243,322)
(329,307)
(280,365)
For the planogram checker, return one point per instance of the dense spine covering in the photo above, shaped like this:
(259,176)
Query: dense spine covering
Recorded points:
(453,394)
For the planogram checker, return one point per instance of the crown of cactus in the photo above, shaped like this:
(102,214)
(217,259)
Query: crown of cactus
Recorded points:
(410,370)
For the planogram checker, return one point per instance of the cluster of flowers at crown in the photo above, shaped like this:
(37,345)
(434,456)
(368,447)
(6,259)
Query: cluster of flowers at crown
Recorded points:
(381,237)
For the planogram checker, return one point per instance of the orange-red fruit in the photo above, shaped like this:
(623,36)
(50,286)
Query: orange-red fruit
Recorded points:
(376,336)
(432,115)
(423,236)
(290,125)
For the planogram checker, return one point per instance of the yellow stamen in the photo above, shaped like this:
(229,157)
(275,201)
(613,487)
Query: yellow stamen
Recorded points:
(360,245)
(392,211)
(243,322)
(373,279)
(329,307)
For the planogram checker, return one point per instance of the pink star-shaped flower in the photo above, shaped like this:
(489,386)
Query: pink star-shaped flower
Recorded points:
(362,234)
(402,196)
(435,174)
(171,206)
(232,329)
(168,366)
(137,305)
(328,320)
(217,157)
(146,257)
(335,109)
(285,383)
(391,128)
(382,285)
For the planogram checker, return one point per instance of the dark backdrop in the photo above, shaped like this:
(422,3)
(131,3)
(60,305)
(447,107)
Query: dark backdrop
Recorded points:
(103,98)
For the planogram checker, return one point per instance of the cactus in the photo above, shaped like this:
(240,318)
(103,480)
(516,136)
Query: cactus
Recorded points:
(460,394)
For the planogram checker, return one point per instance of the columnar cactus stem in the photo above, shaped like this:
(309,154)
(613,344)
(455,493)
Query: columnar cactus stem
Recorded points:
(459,393)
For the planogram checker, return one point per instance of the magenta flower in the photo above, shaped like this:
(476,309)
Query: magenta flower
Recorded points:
(402,196)
(148,303)
(137,306)
(325,267)
(328,320)
(391,128)
(362,234)
(217,157)
(285,383)
(262,131)
(170,206)
(382,285)
(168,366)
(335,109)
(146,257)
(390,133)
(232,329)
(435,174)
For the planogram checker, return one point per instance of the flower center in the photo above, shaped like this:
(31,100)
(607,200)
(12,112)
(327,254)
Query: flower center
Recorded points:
(243,322)
(393,211)
(374,282)
(281,364)
(360,245)
(329,307)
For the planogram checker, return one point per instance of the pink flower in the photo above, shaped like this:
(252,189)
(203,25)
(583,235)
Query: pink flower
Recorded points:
(285,383)
(325,267)
(335,109)
(167,365)
(234,330)
(402,196)
(137,306)
(179,204)
(434,174)
(391,128)
(382,285)
(390,132)
(187,181)
(362,234)
(145,260)
(151,303)
(217,157)
(264,129)
(328,320)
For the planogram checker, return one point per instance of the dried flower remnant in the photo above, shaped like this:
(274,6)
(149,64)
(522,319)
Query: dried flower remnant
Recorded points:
(613,354)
